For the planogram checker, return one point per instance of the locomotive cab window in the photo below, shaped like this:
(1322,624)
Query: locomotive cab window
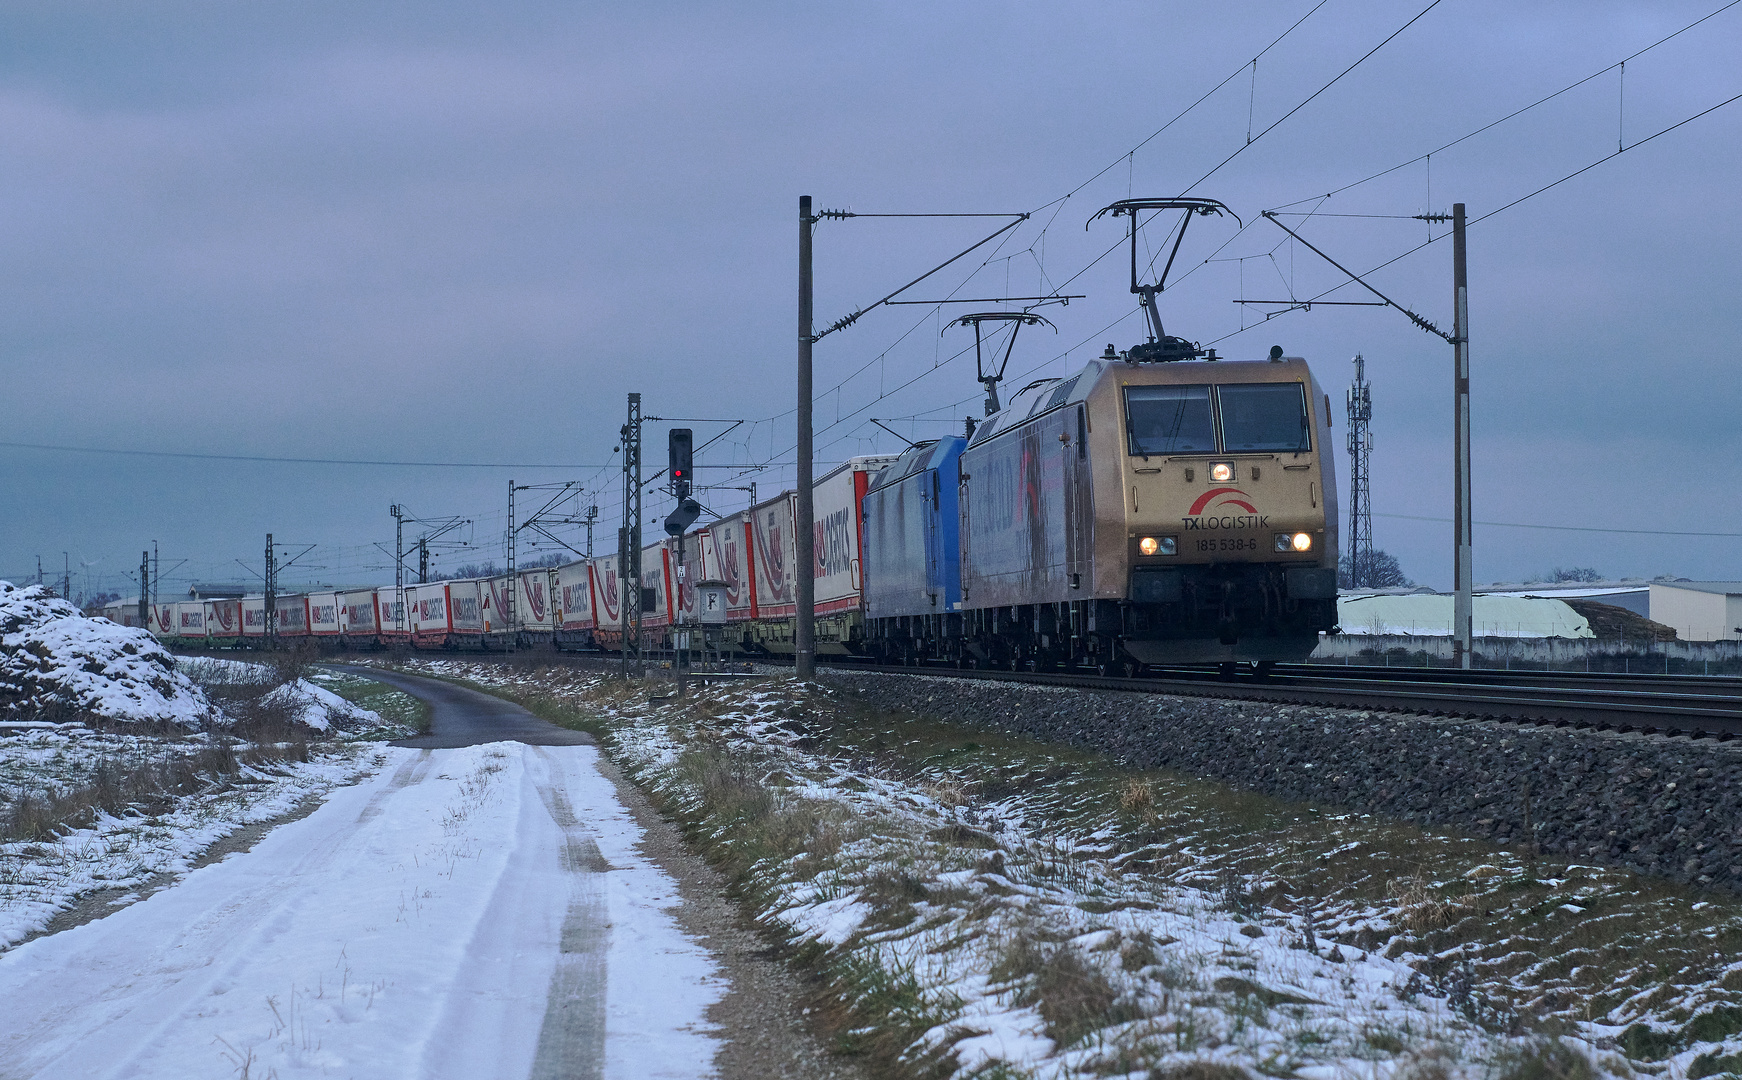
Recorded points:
(1169,420)
(1264,416)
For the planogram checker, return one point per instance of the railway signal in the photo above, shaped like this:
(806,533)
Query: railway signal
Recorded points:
(680,446)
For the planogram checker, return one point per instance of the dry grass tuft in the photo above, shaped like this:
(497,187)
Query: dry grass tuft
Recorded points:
(1071,994)
(119,787)
(949,791)
(1422,911)
(1137,798)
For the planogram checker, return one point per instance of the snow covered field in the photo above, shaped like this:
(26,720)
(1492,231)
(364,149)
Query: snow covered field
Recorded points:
(420,923)
(126,854)
(127,809)
(998,908)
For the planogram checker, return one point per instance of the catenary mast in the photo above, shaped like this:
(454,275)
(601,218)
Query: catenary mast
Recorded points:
(1360,440)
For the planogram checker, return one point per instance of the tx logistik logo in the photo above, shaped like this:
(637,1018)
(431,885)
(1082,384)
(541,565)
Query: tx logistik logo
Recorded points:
(1196,518)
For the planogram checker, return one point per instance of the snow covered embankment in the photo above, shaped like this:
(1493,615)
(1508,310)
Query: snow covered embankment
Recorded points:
(57,664)
(246,691)
(982,910)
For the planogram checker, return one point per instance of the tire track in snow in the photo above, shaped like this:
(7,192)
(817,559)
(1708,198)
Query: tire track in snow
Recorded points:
(412,772)
(572,1041)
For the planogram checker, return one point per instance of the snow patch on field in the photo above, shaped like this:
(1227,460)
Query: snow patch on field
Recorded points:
(39,879)
(313,706)
(52,658)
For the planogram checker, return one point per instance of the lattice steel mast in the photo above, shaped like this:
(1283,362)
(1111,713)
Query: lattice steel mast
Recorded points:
(1360,440)
(629,542)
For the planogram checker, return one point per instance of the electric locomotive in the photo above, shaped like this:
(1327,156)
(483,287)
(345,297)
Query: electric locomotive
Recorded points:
(1162,505)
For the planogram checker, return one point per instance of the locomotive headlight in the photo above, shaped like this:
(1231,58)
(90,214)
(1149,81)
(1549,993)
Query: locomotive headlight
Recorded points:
(1222,472)
(1294,541)
(1158,545)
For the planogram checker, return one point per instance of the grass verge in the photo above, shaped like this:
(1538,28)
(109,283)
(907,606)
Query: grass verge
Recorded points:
(984,906)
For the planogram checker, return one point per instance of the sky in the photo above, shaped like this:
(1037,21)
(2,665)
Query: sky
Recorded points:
(452,233)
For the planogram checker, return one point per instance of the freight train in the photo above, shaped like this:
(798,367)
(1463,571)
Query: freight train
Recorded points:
(1133,513)
(1160,505)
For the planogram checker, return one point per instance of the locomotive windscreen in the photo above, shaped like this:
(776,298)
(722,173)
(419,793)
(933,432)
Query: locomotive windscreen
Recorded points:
(1264,416)
(1169,420)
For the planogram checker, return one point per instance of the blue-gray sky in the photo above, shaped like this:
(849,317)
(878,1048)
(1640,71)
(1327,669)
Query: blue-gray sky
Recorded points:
(447,232)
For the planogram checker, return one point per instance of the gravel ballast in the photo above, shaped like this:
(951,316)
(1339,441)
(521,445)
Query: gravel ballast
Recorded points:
(1654,804)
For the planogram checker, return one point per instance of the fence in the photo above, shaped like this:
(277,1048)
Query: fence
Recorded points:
(1538,654)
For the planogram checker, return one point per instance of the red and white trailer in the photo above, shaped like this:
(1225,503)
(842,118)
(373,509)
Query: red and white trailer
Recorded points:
(324,618)
(292,616)
(839,499)
(446,614)
(163,621)
(657,580)
(393,614)
(698,562)
(837,524)
(574,604)
(610,593)
(190,620)
(427,612)
(772,557)
(253,618)
(359,621)
(495,597)
(224,620)
(535,605)
(732,563)
(466,609)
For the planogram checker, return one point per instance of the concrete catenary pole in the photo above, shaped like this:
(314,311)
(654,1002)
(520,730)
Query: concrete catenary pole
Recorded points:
(144,587)
(805,587)
(1463,563)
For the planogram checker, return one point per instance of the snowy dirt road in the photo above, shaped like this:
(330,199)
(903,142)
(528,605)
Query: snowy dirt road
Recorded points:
(480,911)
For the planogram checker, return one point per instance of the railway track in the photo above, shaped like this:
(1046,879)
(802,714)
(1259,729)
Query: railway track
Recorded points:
(1692,705)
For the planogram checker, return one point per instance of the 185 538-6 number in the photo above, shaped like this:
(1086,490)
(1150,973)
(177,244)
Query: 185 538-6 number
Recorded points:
(1228,543)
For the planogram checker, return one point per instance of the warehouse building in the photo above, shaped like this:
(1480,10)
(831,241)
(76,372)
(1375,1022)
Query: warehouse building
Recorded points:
(1699,610)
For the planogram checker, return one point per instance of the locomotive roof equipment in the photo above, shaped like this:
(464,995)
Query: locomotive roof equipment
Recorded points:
(1017,320)
(1160,348)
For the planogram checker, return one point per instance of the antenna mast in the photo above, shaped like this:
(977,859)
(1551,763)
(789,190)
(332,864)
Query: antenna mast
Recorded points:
(1360,440)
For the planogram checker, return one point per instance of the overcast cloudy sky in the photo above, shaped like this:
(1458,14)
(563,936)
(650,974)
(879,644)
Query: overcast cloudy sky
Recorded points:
(462,233)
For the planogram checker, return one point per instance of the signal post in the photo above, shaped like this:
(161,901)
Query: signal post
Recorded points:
(680,448)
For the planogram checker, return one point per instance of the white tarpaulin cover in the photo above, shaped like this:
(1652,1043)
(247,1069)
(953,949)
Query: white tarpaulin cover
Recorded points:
(1430,615)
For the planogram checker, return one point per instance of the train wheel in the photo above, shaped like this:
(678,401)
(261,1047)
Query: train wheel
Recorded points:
(1264,669)
(1227,670)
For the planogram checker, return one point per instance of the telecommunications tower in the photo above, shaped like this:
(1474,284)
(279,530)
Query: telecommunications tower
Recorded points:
(1360,501)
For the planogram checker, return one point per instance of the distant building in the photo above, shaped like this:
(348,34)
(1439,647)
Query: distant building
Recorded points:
(1699,610)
